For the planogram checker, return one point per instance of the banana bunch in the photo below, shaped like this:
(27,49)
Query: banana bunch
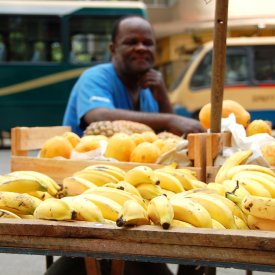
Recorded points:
(85,209)
(260,211)
(100,174)
(18,203)
(132,214)
(117,195)
(125,186)
(29,182)
(160,211)
(8,214)
(54,209)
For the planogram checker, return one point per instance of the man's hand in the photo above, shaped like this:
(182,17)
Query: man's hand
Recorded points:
(182,125)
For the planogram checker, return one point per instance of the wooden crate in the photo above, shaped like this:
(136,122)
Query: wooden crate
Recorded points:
(26,142)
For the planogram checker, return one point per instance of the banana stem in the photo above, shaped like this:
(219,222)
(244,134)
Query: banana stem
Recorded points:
(231,196)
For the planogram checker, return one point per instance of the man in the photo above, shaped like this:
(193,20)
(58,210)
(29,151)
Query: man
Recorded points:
(128,88)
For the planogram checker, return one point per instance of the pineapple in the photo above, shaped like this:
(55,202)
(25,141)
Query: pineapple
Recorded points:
(109,128)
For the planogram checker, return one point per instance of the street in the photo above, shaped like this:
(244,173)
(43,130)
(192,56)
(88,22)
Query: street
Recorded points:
(18,264)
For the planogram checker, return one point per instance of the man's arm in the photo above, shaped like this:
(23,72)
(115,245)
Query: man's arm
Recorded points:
(158,122)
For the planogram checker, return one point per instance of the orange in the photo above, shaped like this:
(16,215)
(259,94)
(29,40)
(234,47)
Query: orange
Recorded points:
(57,146)
(145,152)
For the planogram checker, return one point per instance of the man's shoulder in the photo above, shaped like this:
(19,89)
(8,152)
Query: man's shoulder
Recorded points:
(104,68)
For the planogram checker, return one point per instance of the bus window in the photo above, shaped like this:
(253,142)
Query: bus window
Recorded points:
(264,60)
(30,38)
(90,38)
(2,49)
(202,76)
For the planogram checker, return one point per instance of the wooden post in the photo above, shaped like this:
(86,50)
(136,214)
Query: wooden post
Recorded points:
(218,64)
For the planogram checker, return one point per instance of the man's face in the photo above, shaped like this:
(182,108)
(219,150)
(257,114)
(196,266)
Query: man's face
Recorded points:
(134,49)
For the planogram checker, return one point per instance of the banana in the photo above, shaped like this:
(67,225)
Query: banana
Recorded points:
(148,191)
(97,177)
(110,169)
(85,209)
(233,186)
(198,183)
(108,207)
(18,203)
(260,224)
(240,223)
(254,187)
(235,159)
(132,213)
(182,175)
(178,223)
(160,211)
(141,174)
(74,185)
(124,185)
(169,194)
(40,195)
(23,184)
(249,167)
(52,186)
(218,187)
(217,225)
(54,209)
(8,214)
(169,182)
(191,212)
(261,207)
(119,196)
(216,208)
(266,180)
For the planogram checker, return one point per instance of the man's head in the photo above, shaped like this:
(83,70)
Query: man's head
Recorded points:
(133,46)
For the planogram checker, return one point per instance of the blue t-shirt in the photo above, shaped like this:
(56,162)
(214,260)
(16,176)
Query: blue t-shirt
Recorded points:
(98,87)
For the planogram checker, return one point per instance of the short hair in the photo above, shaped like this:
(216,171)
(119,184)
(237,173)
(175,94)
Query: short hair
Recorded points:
(117,23)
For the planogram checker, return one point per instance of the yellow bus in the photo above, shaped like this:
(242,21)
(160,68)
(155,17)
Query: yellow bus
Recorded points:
(249,78)
(44,47)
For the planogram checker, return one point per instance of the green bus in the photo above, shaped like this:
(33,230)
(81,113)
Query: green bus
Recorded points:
(44,47)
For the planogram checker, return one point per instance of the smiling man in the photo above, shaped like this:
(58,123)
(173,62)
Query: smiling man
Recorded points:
(128,88)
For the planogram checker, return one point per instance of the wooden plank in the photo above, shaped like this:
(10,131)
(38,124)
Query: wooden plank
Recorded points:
(61,168)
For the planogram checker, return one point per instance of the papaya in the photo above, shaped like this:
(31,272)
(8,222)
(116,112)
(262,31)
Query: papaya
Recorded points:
(268,151)
(228,107)
(145,152)
(258,126)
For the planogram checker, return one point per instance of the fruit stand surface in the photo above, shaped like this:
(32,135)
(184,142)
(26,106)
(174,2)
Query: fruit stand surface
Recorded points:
(244,249)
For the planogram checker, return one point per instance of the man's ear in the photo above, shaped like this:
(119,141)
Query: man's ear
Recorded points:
(111,47)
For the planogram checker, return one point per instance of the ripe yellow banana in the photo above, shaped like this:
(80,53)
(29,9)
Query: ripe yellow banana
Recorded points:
(125,186)
(182,175)
(235,159)
(85,209)
(54,209)
(233,186)
(132,213)
(117,195)
(23,184)
(169,182)
(40,195)
(260,224)
(240,223)
(217,187)
(261,207)
(254,187)
(8,214)
(266,180)
(217,209)
(18,203)
(99,178)
(141,174)
(198,183)
(191,212)
(148,191)
(178,223)
(217,225)
(249,167)
(169,194)
(160,211)
(108,207)
(74,185)
(52,186)
(112,170)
